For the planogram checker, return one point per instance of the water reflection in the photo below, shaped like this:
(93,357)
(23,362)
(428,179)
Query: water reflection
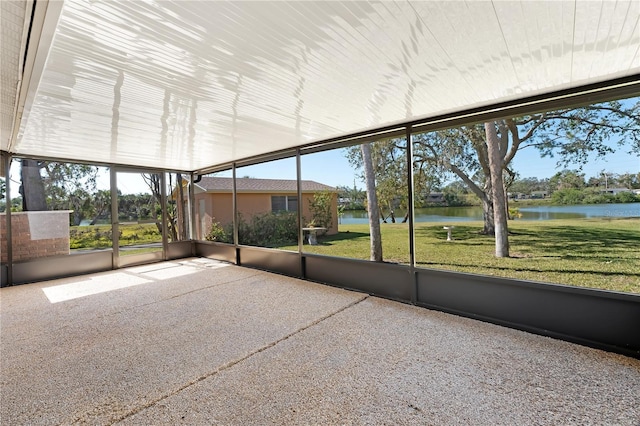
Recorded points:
(581,211)
(467,214)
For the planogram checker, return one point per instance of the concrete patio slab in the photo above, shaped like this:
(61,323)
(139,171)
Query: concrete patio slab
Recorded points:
(203,342)
(97,358)
(380,362)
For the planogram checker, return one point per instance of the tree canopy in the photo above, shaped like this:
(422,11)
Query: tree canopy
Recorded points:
(48,185)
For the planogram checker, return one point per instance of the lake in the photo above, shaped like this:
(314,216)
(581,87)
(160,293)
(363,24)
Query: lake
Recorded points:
(465,214)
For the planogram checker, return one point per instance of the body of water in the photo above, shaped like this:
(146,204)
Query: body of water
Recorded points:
(465,214)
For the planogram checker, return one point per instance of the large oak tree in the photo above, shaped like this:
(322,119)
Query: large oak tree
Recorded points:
(481,155)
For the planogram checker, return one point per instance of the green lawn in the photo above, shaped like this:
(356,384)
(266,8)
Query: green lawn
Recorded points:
(599,253)
(131,252)
(99,236)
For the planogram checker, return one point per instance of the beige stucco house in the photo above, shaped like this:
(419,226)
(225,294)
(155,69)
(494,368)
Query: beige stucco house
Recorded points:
(213,199)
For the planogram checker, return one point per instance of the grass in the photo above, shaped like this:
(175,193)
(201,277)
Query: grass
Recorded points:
(144,250)
(99,236)
(597,253)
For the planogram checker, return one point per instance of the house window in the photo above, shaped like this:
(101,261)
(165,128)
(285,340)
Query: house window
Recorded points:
(286,203)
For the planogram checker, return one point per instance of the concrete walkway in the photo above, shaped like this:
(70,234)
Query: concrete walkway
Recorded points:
(201,342)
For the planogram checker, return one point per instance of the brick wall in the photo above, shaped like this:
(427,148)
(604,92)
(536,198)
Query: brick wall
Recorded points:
(35,234)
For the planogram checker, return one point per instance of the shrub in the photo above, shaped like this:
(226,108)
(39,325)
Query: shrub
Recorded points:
(568,196)
(598,198)
(626,197)
(269,229)
(88,237)
(218,233)
(320,207)
(514,213)
(453,199)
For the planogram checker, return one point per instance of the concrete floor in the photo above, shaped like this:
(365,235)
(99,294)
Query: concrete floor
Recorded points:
(202,342)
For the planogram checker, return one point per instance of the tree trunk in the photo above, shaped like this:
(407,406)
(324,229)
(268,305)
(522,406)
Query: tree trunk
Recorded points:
(484,195)
(99,211)
(488,216)
(77,215)
(497,184)
(506,205)
(32,188)
(372,203)
(101,205)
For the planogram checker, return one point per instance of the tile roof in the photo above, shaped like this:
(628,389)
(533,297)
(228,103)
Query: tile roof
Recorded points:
(225,184)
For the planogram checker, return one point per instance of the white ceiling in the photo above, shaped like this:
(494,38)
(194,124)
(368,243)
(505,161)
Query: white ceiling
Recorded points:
(185,85)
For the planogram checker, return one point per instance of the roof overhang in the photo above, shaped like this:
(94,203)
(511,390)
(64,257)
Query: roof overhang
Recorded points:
(186,85)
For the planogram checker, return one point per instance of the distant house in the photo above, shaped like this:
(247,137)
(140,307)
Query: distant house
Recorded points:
(435,198)
(431,198)
(539,194)
(214,199)
(615,191)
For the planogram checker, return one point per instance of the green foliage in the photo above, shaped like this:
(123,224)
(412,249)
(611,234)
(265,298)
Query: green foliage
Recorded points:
(137,207)
(390,169)
(352,198)
(89,237)
(100,236)
(591,197)
(320,207)
(568,196)
(567,179)
(218,233)
(139,234)
(571,196)
(16,204)
(627,197)
(67,186)
(514,213)
(100,206)
(455,198)
(269,229)
(529,185)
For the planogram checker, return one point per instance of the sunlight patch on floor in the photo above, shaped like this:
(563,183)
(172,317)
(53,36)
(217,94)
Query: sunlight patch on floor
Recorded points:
(129,277)
(143,269)
(93,285)
(203,262)
(176,271)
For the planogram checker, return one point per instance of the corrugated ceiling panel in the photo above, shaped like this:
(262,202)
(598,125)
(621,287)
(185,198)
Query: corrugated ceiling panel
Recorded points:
(606,39)
(540,51)
(186,85)
(12,15)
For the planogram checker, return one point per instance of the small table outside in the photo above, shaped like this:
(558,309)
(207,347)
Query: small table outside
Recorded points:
(313,233)
(448,228)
